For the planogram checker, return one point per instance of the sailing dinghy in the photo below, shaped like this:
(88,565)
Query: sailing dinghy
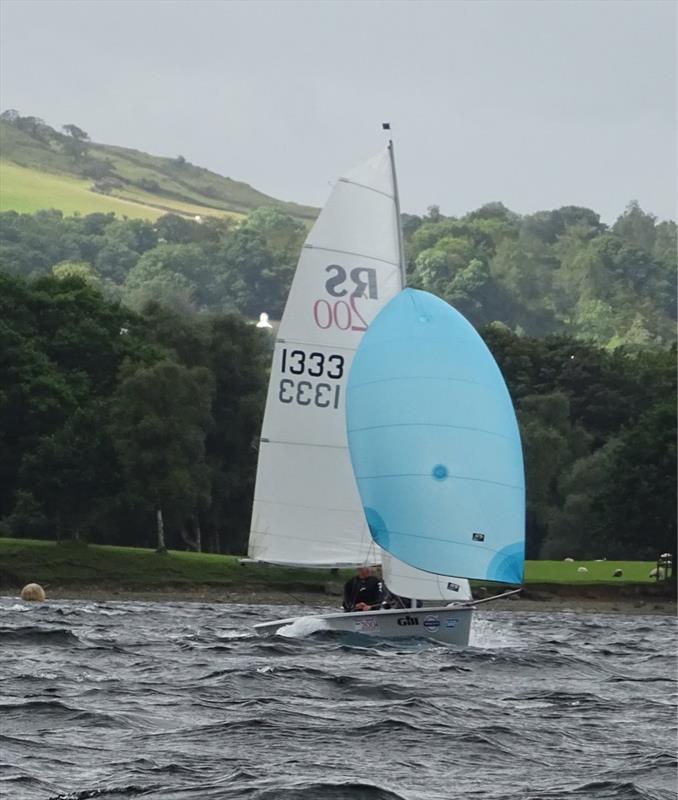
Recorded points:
(308,511)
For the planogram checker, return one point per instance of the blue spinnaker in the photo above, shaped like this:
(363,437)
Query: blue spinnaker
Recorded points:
(435,445)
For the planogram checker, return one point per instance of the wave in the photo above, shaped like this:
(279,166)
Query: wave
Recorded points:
(390,725)
(538,714)
(603,790)
(302,627)
(562,698)
(31,713)
(33,634)
(103,794)
(640,679)
(232,787)
(330,791)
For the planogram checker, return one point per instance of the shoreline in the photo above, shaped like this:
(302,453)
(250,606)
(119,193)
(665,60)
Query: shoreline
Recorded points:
(530,601)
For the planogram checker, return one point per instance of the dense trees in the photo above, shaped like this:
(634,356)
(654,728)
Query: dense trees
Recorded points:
(112,420)
(599,440)
(188,265)
(160,418)
(553,272)
(131,388)
(141,428)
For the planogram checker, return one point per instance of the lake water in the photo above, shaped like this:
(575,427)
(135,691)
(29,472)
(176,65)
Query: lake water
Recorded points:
(181,701)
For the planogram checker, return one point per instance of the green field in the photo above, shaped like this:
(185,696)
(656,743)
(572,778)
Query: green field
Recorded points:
(23,561)
(47,563)
(27,190)
(566,572)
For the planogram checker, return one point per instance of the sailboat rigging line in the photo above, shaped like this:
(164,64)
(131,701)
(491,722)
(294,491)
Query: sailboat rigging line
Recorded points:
(490,599)
(294,597)
(349,253)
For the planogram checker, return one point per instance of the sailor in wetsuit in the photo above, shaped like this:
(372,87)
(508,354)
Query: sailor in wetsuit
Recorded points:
(362,593)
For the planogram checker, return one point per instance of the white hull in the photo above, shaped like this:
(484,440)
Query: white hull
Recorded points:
(444,624)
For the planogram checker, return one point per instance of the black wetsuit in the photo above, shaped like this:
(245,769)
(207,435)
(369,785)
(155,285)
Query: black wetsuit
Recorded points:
(362,590)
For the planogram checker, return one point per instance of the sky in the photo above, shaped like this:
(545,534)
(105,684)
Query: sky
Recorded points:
(536,104)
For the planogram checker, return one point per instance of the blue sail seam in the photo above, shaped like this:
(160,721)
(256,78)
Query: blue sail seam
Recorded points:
(428,475)
(430,425)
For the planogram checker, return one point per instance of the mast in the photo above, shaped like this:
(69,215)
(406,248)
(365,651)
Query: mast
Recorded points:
(396,198)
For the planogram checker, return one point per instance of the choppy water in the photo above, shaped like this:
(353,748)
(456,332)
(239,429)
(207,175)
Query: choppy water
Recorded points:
(180,700)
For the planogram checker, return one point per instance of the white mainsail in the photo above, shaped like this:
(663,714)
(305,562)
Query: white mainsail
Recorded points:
(306,505)
(307,510)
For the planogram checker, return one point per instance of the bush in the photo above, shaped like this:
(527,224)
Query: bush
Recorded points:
(96,169)
(28,520)
(148,185)
(107,185)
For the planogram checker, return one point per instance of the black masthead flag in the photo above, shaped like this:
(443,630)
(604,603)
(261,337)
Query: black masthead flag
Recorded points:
(386,126)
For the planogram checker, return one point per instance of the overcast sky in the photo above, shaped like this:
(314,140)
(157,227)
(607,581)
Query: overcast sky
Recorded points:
(537,104)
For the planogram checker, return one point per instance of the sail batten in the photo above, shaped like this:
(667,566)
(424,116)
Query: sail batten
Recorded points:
(365,186)
(339,252)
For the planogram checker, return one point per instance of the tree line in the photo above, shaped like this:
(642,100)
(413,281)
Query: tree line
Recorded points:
(117,423)
(112,420)
(550,273)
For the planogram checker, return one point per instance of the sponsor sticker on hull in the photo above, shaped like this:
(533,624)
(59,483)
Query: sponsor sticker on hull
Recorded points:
(431,623)
(369,625)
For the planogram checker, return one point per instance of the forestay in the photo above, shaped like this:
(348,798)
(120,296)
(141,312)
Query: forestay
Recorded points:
(306,507)
(435,445)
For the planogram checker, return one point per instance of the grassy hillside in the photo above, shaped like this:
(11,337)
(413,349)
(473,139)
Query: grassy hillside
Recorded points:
(109,178)
(23,560)
(27,190)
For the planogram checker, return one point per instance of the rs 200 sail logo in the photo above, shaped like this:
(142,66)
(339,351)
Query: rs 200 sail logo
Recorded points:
(345,287)
(314,379)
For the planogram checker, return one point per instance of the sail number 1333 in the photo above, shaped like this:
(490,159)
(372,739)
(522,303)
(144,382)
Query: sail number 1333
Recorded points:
(310,365)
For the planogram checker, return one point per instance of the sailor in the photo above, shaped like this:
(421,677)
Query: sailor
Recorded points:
(363,592)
